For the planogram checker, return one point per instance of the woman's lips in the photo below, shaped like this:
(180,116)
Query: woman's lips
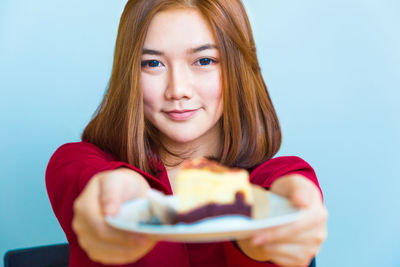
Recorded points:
(181,115)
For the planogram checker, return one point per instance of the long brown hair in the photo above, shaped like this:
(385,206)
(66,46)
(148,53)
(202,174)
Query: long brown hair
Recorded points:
(250,127)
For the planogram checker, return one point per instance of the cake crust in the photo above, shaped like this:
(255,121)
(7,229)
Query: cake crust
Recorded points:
(239,207)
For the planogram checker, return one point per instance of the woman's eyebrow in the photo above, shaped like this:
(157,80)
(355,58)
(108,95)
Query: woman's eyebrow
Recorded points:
(202,47)
(146,51)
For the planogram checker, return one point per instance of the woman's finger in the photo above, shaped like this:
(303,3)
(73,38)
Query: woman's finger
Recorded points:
(108,245)
(119,186)
(313,220)
(298,189)
(114,190)
(110,196)
(305,196)
(105,233)
(110,253)
(309,237)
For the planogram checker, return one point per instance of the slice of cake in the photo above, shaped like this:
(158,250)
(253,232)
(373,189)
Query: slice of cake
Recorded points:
(205,188)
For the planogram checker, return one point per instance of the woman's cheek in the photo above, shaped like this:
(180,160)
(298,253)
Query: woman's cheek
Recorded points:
(211,93)
(151,89)
(210,86)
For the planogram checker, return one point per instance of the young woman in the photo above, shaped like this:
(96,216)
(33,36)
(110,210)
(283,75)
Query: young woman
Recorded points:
(185,83)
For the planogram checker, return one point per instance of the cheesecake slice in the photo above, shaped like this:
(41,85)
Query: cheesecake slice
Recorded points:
(205,188)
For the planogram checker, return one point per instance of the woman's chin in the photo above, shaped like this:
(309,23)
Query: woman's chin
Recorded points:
(182,139)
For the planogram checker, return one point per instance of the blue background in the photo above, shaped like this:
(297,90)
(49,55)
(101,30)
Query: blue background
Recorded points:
(333,72)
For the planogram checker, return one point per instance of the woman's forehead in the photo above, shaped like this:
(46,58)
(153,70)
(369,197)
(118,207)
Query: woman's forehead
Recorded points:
(179,29)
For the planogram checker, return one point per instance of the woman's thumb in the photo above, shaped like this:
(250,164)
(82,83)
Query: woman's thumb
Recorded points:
(301,197)
(110,196)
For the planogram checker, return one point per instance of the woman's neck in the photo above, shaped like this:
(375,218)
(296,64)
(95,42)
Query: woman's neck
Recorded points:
(207,145)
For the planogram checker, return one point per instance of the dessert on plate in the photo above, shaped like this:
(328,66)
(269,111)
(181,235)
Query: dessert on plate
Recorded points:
(205,188)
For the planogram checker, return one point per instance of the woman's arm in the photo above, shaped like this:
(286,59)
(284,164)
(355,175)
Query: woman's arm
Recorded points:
(294,244)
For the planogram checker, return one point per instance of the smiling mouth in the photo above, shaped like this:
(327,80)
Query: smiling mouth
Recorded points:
(181,115)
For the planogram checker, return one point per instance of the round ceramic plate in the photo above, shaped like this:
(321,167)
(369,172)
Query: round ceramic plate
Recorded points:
(133,215)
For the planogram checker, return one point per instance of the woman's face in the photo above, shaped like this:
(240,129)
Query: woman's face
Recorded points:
(181,77)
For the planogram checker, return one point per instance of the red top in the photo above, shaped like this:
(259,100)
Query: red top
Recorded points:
(74,164)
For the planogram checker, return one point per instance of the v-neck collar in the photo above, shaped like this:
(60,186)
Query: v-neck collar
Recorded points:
(162,176)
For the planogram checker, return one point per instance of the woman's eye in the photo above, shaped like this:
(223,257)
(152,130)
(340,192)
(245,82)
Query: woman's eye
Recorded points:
(151,63)
(205,61)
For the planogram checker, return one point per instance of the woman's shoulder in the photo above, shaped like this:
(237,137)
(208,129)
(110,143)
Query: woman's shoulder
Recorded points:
(77,154)
(80,146)
(79,150)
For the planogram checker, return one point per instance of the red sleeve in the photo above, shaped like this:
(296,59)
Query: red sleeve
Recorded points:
(69,170)
(268,172)
(264,175)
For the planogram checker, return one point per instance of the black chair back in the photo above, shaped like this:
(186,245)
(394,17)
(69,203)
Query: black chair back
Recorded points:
(44,256)
(47,256)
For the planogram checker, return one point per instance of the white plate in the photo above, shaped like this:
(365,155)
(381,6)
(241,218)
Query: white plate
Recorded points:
(223,228)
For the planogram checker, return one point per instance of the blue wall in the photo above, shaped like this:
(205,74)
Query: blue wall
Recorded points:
(333,71)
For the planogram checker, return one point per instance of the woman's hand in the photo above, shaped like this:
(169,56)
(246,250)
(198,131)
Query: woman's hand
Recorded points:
(103,195)
(294,244)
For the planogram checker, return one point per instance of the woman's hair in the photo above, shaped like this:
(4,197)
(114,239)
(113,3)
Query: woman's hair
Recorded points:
(250,127)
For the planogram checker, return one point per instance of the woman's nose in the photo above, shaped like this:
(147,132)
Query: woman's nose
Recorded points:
(179,83)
